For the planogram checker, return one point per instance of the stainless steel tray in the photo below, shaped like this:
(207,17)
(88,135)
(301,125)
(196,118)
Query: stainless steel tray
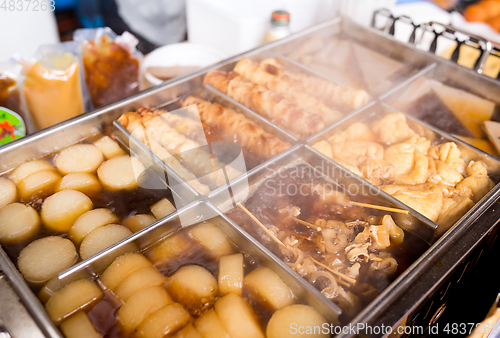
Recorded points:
(189,216)
(403,295)
(378,110)
(345,182)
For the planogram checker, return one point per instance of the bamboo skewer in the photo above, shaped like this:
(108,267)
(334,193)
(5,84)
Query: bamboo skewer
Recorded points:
(266,230)
(340,281)
(339,274)
(276,239)
(378,207)
(310,225)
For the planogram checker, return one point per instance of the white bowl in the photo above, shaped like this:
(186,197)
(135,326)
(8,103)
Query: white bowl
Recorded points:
(180,54)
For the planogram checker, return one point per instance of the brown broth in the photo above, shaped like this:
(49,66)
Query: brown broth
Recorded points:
(103,314)
(122,203)
(265,206)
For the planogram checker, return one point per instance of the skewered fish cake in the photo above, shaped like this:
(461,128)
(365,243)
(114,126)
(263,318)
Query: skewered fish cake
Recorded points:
(247,133)
(267,103)
(281,83)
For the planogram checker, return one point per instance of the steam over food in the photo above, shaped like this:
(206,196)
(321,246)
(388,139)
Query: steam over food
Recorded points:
(435,179)
(347,252)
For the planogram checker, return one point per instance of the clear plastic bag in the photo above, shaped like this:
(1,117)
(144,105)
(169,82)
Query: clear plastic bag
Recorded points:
(11,94)
(111,64)
(53,85)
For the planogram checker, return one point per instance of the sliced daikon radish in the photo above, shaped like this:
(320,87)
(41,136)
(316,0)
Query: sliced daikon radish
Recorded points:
(90,221)
(8,192)
(138,280)
(212,238)
(122,267)
(109,147)
(80,158)
(79,326)
(75,296)
(141,305)
(38,185)
(45,258)
(296,316)
(28,168)
(120,173)
(210,326)
(138,222)
(164,322)
(231,273)
(62,209)
(192,286)
(102,238)
(51,287)
(270,287)
(170,248)
(238,317)
(188,331)
(162,208)
(83,182)
(18,222)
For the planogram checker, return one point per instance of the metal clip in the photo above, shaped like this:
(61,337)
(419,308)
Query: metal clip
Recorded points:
(390,26)
(451,33)
(484,46)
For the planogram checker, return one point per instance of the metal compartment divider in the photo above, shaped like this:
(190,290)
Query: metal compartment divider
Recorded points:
(492,162)
(222,195)
(299,286)
(314,72)
(426,233)
(153,162)
(414,59)
(255,117)
(145,237)
(32,303)
(404,84)
(191,215)
(416,223)
(307,155)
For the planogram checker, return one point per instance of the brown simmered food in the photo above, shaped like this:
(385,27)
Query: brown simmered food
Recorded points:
(270,105)
(179,140)
(72,205)
(246,133)
(181,294)
(347,252)
(433,179)
(165,141)
(268,73)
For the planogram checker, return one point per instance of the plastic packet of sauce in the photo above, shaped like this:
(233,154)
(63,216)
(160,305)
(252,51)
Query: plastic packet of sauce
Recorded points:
(52,85)
(111,64)
(14,121)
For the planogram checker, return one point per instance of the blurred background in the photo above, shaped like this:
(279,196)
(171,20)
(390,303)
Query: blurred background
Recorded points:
(215,23)
(146,42)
